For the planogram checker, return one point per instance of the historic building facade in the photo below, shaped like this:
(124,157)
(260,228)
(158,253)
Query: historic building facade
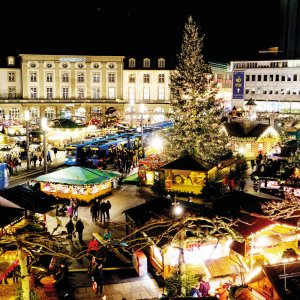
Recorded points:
(88,87)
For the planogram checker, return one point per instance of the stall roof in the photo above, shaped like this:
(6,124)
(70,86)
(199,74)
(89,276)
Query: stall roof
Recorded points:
(9,215)
(65,124)
(190,163)
(78,176)
(244,130)
(29,198)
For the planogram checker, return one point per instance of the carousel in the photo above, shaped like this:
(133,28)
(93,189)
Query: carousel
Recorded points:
(83,184)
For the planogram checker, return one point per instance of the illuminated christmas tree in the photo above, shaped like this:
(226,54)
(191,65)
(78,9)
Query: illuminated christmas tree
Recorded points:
(195,111)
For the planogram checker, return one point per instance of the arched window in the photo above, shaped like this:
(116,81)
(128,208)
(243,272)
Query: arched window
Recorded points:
(2,114)
(131,63)
(161,63)
(66,113)
(50,113)
(34,113)
(14,113)
(80,113)
(146,63)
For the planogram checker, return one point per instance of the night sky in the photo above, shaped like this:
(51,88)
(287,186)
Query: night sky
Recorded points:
(233,29)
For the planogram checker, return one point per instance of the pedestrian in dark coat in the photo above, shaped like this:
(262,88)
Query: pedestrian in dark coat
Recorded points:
(107,208)
(99,278)
(94,211)
(79,228)
(102,211)
(242,184)
(70,228)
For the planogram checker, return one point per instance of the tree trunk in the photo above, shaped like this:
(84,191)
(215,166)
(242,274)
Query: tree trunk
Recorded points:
(22,256)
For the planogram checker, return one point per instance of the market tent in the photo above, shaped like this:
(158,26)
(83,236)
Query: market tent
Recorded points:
(79,176)
(65,124)
(29,198)
(10,215)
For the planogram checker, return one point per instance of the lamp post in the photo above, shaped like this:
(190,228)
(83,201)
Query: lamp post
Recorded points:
(26,117)
(142,109)
(44,124)
(131,112)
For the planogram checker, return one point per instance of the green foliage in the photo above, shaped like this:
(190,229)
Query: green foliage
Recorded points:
(173,285)
(196,114)
(19,296)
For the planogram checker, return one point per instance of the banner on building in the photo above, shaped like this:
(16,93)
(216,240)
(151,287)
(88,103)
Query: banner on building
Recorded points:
(238,85)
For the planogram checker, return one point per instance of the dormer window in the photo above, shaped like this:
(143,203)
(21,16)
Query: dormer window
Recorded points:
(146,63)
(131,63)
(111,65)
(161,63)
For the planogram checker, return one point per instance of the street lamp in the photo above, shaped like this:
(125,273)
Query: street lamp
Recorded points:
(26,117)
(131,112)
(142,110)
(44,125)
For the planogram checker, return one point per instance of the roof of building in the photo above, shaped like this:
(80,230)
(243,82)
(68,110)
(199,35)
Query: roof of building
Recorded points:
(10,215)
(189,162)
(245,130)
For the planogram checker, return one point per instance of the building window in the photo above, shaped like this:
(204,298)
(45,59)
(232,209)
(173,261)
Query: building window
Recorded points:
(247,77)
(277,77)
(14,113)
(146,78)
(96,77)
(11,76)
(80,92)
(50,113)
(65,93)
(11,92)
(96,66)
(258,77)
(253,78)
(247,91)
(282,91)
(96,93)
(265,77)
(33,93)
(65,77)
(253,91)
(49,77)
(161,63)
(271,78)
(295,77)
(161,93)
(294,92)
(288,92)
(32,76)
(289,77)
(80,77)
(34,113)
(146,93)
(270,92)
(111,93)
(2,113)
(132,78)
(282,77)
(49,91)
(111,77)
(96,112)
(131,63)
(161,78)
(276,92)
(146,63)
(131,93)
(264,91)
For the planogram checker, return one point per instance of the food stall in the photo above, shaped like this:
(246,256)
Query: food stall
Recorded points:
(80,183)
(149,168)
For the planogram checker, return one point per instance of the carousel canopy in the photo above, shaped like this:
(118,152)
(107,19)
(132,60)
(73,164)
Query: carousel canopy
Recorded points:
(79,176)
(29,198)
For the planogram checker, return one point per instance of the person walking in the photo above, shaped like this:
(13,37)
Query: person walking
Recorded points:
(107,208)
(70,228)
(92,268)
(242,184)
(99,278)
(70,210)
(95,210)
(55,151)
(222,292)
(204,286)
(79,228)
(102,211)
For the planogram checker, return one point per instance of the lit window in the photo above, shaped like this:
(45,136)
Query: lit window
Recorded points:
(96,93)
(147,93)
(80,92)
(14,113)
(96,77)
(161,93)
(132,78)
(32,76)
(2,113)
(49,77)
(131,63)
(161,63)
(65,92)
(111,77)
(49,92)
(80,77)
(161,78)
(146,63)
(11,92)
(111,93)
(65,77)
(146,78)
(11,76)
(33,93)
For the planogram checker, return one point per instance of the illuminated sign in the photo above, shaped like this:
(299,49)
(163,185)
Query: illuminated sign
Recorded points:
(71,59)
(238,85)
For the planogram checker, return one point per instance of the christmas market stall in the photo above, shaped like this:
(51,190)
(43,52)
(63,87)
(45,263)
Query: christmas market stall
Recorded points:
(211,256)
(188,174)
(34,202)
(250,139)
(77,182)
(149,169)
